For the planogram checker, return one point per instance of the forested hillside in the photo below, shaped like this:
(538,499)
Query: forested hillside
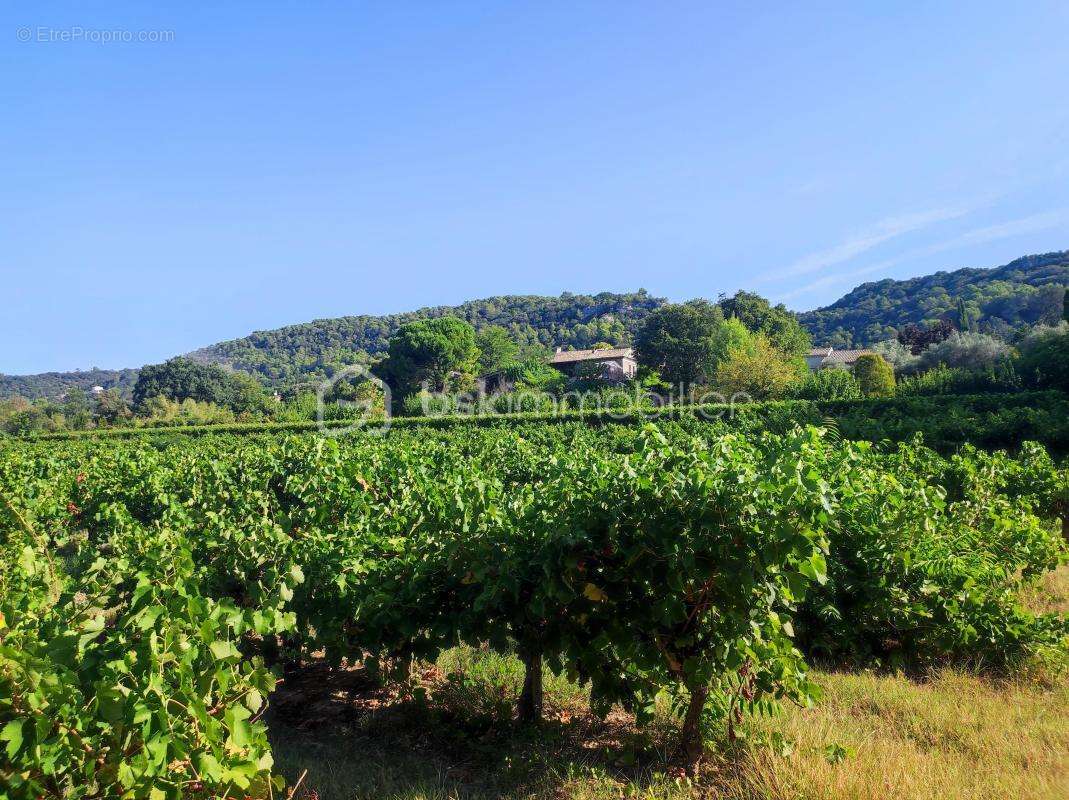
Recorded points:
(54,384)
(312,349)
(1027,291)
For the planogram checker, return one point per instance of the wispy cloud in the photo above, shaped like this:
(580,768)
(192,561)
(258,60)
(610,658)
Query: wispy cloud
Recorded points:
(864,241)
(1004,230)
(990,233)
(830,280)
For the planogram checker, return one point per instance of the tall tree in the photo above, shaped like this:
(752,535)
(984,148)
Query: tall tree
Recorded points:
(1045,358)
(247,394)
(968,317)
(497,349)
(755,367)
(679,341)
(182,379)
(111,407)
(730,336)
(777,323)
(429,350)
(918,338)
(76,409)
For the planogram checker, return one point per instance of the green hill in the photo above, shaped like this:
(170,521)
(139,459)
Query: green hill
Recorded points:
(1027,291)
(55,384)
(312,349)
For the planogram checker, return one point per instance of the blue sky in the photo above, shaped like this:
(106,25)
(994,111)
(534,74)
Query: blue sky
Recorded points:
(279,162)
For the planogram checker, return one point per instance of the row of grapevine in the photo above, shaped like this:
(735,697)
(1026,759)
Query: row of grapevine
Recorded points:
(947,422)
(146,587)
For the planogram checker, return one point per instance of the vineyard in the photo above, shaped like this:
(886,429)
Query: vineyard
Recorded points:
(154,589)
(946,422)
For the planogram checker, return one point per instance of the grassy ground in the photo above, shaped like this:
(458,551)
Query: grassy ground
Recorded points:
(951,735)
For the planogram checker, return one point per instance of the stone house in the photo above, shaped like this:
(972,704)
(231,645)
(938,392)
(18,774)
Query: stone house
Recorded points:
(617,363)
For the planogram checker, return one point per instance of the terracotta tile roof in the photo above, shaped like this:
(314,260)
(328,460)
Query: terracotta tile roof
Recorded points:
(820,351)
(845,356)
(570,356)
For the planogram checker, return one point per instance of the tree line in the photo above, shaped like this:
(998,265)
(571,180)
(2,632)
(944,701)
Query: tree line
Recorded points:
(740,346)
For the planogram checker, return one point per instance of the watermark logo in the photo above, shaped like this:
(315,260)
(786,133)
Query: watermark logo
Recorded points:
(337,415)
(612,403)
(355,399)
(76,33)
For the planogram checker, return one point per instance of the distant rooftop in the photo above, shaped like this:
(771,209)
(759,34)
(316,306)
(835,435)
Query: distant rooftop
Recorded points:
(845,356)
(829,356)
(570,356)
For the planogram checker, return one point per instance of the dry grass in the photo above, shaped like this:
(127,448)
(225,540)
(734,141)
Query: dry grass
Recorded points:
(951,736)
(1050,594)
(873,737)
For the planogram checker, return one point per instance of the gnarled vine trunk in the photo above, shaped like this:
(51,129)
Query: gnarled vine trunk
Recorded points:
(290,655)
(530,703)
(691,739)
(402,668)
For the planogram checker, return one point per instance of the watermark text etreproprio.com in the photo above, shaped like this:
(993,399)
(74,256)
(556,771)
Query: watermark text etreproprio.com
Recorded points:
(76,33)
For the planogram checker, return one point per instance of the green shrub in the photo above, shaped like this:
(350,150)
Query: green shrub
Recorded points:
(875,376)
(1045,358)
(943,380)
